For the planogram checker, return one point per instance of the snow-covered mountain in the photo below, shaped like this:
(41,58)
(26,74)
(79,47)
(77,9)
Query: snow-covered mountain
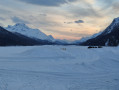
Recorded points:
(25,30)
(8,38)
(33,33)
(109,37)
(83,39)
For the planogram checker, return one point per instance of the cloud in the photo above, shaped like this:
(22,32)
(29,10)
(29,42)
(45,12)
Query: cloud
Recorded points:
(68,22)
(79,21)
(1,24)
(43,14)
(4,11)
(19,20)
(84,9)
(105,2)
(47,2)
(1,18)
(115,7)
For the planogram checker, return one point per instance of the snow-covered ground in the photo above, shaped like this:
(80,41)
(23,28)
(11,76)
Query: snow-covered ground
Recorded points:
(54,68)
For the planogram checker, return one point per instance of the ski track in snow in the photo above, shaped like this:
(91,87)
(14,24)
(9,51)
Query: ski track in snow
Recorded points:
(51,68)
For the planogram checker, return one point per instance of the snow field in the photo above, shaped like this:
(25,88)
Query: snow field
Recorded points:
(52,68)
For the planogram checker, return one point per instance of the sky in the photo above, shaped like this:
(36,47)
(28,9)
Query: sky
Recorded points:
(63,19)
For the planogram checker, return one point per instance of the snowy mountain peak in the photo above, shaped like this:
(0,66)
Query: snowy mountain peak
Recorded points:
(29,32)
(114,23)
(117,19)
(20,24)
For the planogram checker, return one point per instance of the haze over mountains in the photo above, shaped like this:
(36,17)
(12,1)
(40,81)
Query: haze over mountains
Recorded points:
(20,34)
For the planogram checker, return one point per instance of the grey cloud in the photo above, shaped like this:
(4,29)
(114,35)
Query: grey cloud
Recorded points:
(106,3)
(1,18)
(1,25)
(79,21)
(68,22)
(88,11)
(4,11)
(40,21)
(18,20)
(115,7)
(42,14)
(47,2)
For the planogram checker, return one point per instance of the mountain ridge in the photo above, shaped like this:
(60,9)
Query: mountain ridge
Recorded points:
(109,37)
(8,38)
(29,32)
